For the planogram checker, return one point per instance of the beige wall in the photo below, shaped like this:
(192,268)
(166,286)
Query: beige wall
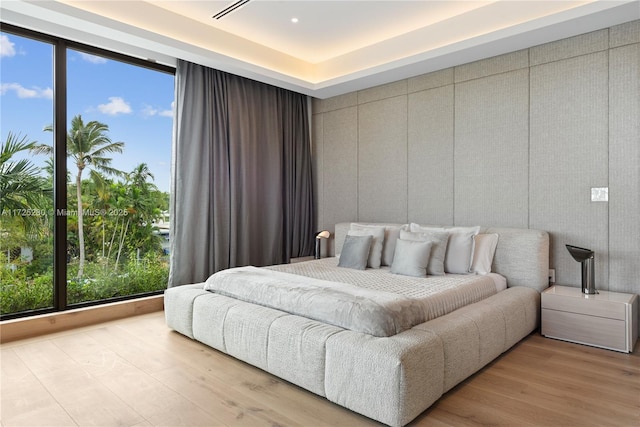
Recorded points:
(517,140)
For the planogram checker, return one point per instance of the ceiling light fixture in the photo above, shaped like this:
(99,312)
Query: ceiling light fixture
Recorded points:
(230,8)
(294,20)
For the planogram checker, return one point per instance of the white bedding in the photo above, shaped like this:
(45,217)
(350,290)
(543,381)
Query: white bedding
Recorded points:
(373,301)
(438,295)
(377,313)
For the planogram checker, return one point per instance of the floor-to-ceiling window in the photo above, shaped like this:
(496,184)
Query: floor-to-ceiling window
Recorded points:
(26,183)
(84,183)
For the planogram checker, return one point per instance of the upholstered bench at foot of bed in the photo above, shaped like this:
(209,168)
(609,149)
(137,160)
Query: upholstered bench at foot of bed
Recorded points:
(178,307)
(390,379)
(394,379)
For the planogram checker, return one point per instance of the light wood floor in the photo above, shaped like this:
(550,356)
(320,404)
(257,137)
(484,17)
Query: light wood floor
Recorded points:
(136,372)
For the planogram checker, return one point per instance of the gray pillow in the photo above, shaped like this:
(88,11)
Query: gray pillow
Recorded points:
(355,252)
(411,258)
(375,252)
(439,241)
(391,234)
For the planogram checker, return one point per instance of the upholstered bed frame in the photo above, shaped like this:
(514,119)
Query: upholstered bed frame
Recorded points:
(390,379)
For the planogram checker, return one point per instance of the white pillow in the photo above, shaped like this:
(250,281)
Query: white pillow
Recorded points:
(411,258)
(459,249)
(439,241)
(375,253)
(483,251)
(391,234)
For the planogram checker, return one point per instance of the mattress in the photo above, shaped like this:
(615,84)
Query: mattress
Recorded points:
(434,296)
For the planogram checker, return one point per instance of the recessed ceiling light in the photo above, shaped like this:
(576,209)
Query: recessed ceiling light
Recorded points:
(294,20)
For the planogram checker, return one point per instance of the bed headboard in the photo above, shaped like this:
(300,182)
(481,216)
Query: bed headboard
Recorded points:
(522,254)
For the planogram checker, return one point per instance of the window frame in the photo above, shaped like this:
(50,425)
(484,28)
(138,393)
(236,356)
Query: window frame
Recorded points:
(60,48)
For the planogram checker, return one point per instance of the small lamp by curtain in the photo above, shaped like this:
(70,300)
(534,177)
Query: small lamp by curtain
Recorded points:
(586,258)
(321,235)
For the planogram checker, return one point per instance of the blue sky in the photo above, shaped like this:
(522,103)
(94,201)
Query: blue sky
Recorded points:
(136,103)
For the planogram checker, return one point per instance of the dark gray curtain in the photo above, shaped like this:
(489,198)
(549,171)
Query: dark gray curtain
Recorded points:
(242,188)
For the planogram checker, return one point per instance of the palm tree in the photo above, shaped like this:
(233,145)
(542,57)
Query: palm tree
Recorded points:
(88,145)
(135,194)
(20,185)
(101,201)
(139,176)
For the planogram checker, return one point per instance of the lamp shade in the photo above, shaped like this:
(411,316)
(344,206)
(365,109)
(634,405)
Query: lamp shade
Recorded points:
(579,254)
(323,235)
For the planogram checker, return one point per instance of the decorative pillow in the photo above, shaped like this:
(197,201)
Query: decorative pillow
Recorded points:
(391,234)
(411,258)
(439,241)
(355,252)
(484,249)
(459,248)
(375,254)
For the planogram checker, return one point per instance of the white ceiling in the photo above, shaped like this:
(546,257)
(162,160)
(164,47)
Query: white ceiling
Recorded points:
(335,47)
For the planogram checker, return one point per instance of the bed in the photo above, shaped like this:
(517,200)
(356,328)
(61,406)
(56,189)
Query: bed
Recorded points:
(391,372)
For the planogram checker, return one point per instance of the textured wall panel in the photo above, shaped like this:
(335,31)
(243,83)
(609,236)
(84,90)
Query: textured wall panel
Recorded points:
(490,66)
(430,156)
(335,102)
(491,150)
(624,34)
(340,167)
(624,172)
(377,93)
(430,80)
(382,152)
(569,155)
(569,48)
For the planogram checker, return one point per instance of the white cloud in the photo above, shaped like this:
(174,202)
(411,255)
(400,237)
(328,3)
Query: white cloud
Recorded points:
(23,92)
(6,47)
(115,106)
(92,58)
(149,111)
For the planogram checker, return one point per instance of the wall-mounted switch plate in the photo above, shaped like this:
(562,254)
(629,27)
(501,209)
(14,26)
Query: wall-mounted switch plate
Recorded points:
(600,194)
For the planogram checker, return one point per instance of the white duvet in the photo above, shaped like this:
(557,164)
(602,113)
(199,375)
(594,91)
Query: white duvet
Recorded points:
(373,301)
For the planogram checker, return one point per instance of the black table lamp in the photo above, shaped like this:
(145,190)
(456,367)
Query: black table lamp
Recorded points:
(321,235)
(586,257)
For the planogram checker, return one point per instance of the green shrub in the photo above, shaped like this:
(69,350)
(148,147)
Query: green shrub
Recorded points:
(20,293)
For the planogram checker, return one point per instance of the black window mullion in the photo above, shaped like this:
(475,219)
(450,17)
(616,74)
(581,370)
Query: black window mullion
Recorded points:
(60,176)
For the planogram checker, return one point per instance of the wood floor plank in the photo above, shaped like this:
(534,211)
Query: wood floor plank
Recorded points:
(216,396)
(74,388)
(185,377)
(24,401)
(158,404)
(568,377)
(522,379)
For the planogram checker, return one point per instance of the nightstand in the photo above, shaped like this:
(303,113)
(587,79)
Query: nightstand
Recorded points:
(607,319)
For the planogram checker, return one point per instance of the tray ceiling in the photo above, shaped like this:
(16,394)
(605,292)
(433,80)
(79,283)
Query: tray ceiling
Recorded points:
(333,47)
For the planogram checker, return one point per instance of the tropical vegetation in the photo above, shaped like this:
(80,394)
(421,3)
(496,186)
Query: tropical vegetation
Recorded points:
(113,245)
